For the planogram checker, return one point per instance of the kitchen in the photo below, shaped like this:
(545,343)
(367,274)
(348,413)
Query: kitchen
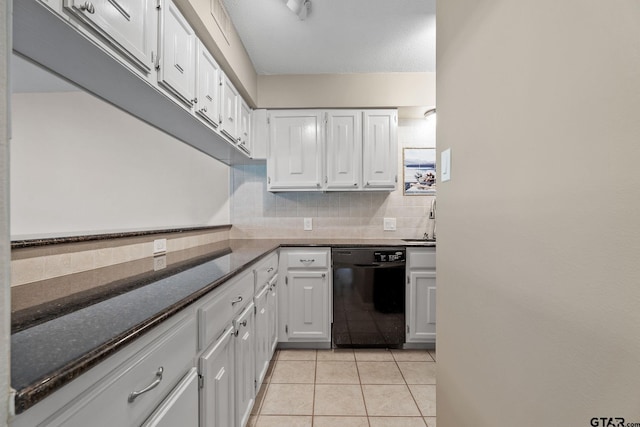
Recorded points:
(487,246)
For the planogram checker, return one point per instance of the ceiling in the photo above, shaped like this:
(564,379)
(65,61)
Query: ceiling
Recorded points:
(338,36)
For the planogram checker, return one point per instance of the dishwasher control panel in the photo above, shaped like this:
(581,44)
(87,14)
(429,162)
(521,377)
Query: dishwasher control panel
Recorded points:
(389,256)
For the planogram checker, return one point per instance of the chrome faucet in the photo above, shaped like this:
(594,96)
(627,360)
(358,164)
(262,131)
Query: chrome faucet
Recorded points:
(431,222)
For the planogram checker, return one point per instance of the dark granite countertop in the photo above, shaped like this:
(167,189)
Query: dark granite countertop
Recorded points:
(48,351)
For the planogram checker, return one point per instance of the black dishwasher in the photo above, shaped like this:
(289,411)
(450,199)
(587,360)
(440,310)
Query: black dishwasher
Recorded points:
(368,297)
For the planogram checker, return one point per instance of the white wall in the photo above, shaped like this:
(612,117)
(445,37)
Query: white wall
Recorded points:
(538,229)
(80,165)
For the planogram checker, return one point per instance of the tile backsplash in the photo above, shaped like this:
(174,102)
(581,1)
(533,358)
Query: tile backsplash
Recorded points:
(257,213)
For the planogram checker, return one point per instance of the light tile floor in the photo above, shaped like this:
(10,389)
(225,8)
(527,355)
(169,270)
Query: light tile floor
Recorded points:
(348,388)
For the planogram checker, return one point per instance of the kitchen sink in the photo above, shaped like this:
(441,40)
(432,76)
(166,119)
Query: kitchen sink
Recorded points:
(419,240)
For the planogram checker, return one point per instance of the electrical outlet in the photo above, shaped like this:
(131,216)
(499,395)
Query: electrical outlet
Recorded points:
(389,224)
(308,224)
(159,262)
(159,246)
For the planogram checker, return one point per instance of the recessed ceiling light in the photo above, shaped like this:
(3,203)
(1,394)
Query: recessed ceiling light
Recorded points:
(300,7)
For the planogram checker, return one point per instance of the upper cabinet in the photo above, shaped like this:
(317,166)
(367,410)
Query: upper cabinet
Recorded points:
(128,25)
(229,96)
(244,126)
(332,150)
(208,86)
(295,154)
(380,152)
(344,149)
(177,60)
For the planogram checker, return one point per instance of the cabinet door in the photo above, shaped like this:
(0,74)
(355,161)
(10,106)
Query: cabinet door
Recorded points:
(218,392)
(309,309)
(245,365)
(180,408)
(344,150)
(262,334)
(244,131)
(229,122)
(421,306)
(178,54)
(380,152)
(272,313)
(295,150)
(129,25)
(208,86)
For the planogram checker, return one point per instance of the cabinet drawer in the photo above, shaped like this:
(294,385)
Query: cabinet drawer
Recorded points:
(217,313)
(266,270)
(108,404)
(421,258)
(213,317)
(241,293)
(308,259)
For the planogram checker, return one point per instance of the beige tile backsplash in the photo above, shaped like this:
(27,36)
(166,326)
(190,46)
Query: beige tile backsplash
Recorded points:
(256,213)
(49,265)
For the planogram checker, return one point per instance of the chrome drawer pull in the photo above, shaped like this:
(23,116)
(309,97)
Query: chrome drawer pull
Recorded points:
(237,300)
(151,386)
(243,323)
(270,270)
(307,260)
(88,7)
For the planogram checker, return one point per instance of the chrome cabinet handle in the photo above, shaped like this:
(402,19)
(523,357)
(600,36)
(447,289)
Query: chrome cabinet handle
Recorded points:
(243,323)
(204,109)
(151,386)
(324,275)
(237,300)
(270,270)
(235,334)
(88,7)
(355,184)
(194,101)
(304,261)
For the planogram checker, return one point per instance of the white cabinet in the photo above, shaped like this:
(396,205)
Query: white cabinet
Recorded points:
(295,151)
(305,308)
(208,87)
(263,346)
(177,64)
(344,150)
(245,368)
(244,124)
(180,408)
(217,395)
(332,150)
(380,152)
(130,26)
(229,109)
(421,295)
(272,315)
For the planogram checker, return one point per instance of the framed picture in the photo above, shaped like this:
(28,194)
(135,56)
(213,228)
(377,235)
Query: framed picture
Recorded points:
(419,171)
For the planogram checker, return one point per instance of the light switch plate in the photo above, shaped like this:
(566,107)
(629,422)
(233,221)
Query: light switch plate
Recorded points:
(389,224)
(159,246)
(445,165)
(308,224)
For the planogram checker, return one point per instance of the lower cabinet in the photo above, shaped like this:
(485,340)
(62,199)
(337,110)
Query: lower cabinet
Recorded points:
(217,395)
(180,408)
(263,346)
(421,295)
(272,315)
(305,299)
(245,367)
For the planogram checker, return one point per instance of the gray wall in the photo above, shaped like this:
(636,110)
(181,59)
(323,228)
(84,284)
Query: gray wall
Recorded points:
(5,247)
(538,230)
